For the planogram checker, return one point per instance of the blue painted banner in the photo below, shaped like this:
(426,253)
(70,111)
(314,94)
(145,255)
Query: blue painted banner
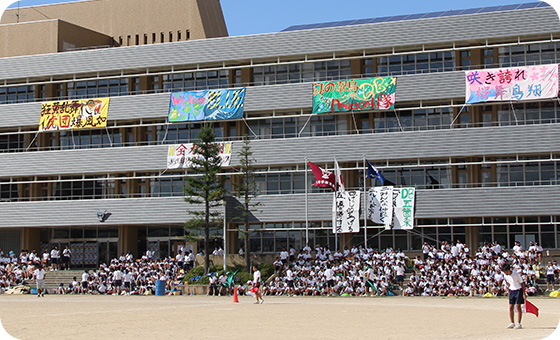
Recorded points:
(206,105)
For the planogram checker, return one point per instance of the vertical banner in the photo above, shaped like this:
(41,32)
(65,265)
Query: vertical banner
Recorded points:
(179,155)
(206,105)
(403,208)
(512,84)
(380,205)
(74,114)
(346,212)
(354,95)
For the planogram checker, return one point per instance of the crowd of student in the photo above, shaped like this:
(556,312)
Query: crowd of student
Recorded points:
(355,271)
(450,269)
(123,275)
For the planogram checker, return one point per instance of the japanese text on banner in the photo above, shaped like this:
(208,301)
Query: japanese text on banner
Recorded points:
(346,212)
(74,114)
(354,95)
(403,208)
(179,156)
(511,84)
(380,205)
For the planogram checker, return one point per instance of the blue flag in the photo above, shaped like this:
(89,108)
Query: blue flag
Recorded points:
(372,172)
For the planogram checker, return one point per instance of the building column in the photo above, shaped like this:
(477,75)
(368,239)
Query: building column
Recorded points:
(471,238)
(128,239)
(232,242)
(31,239)
(345,240)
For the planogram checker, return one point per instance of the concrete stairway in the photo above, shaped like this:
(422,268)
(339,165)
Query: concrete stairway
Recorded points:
(53,279)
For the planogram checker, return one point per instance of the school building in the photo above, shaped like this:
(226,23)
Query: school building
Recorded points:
(482,171)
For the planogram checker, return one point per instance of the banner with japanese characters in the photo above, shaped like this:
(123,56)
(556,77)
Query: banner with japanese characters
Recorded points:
(206,105)
(179,156)
(74,114)
(346,212)
(380,206)
(354,95)
(512,84)
(403,208)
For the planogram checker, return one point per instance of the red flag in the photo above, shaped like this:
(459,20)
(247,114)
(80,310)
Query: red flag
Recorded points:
(531,308)
(323,178)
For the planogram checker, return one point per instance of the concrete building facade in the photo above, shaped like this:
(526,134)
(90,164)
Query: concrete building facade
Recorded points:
(491,175)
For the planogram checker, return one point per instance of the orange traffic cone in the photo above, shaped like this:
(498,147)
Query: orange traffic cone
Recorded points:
(235,299)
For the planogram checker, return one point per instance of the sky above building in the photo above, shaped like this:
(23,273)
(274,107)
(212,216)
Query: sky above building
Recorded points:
(245,17)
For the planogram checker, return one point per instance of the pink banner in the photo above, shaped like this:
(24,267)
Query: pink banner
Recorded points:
(512,84)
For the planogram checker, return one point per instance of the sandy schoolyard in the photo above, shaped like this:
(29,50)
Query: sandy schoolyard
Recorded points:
(202,317)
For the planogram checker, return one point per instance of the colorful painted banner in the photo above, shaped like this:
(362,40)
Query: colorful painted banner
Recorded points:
(179,156)
(514,83)
(74,114)
(206,105)
(354,95)
(403,208)
(380,205)
(346,212)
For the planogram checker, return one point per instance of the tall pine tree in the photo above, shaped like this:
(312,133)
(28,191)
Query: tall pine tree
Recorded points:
(204,186)
(246,190)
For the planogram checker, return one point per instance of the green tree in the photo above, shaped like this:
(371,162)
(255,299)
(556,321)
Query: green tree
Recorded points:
(204,186)
(246,190)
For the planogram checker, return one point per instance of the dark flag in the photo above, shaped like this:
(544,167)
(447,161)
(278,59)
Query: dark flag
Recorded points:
(323,178)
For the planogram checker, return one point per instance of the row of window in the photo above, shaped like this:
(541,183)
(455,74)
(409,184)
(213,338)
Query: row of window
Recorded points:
(273,237)
(293,127)
(506,56)
(297,73)
(288,181)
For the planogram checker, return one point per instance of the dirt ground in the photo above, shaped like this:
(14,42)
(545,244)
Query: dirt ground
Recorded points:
(202,317)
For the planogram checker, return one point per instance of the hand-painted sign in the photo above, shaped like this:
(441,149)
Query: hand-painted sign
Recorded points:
(206,105)
(515,83)
(380,205)
(354,95)
(180,155)
(74,114)
(403,208)
(346,212)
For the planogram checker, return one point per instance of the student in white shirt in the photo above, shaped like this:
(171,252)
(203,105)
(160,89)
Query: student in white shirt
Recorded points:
(257,282)
(517,294)
(39,275)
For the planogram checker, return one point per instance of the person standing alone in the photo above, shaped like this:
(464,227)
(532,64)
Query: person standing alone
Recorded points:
(257,282)
(39,274)
(517,294)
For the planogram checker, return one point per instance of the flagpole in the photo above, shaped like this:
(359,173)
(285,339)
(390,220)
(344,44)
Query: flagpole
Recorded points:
(365,202)
(306,208)
(336,181)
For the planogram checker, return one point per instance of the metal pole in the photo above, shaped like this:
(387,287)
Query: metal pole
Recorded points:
(225,231)
(365,202)
(306,208)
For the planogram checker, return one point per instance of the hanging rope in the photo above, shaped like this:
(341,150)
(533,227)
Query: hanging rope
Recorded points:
(458,114)
(304,125)
(248,127)
(355,125)
(514,114)
(165,136)
(32,141)
(108,135)
(398,120)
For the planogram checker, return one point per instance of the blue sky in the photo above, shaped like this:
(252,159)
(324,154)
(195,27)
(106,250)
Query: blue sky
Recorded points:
(262,16)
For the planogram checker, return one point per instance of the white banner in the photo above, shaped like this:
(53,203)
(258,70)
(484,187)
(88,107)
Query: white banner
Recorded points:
(403,208)
(346,212)
(511,84)
(179,155)
(380,205)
